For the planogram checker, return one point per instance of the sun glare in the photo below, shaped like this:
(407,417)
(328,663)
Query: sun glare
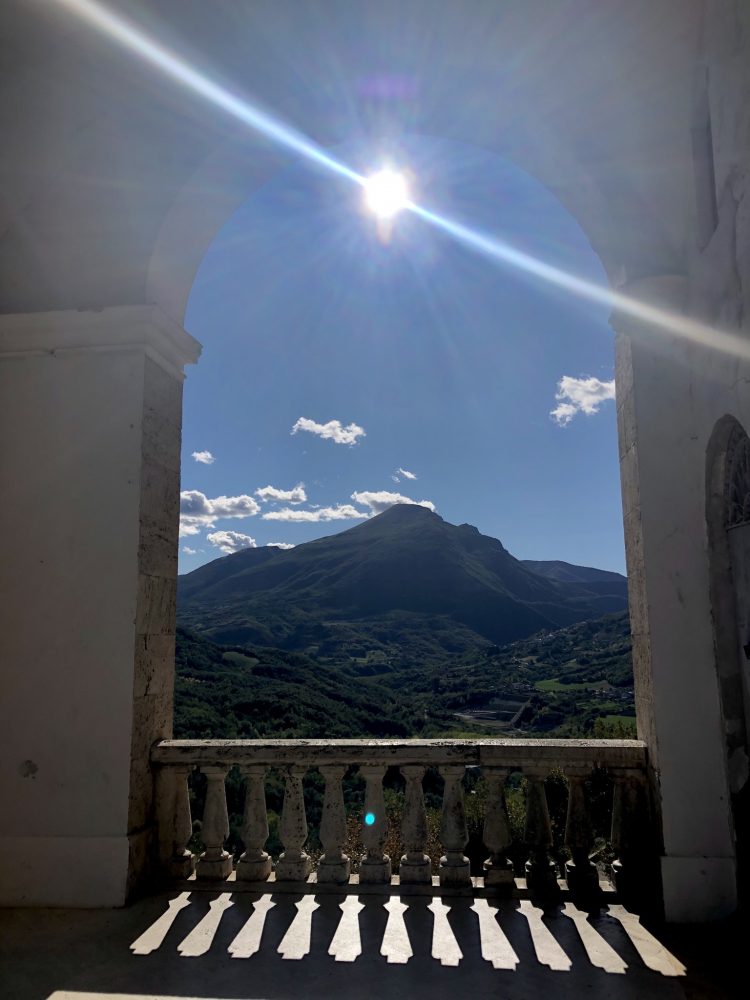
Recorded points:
(386,193)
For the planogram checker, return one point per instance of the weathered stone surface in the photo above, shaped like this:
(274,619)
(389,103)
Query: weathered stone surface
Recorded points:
(415,867)
(498,870)
(154,665)
(375,866)
(294,865)
(157,597)
(255,864)
(334,865)
(454,865)
(215,862)
(510,753)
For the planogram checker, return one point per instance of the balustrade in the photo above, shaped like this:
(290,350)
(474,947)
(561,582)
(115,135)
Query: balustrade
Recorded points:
(415,867)
(215,862)
(293,865)
(334,865)
(375,866)
(454,866)
(175,825)
(498,869)
(541,871)
(625,760)
(580,872)
(255,864)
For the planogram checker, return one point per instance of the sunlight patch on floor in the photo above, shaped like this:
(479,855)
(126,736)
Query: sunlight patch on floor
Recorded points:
(598,934)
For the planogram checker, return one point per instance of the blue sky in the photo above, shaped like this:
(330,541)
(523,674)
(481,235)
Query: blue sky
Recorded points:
(447,361)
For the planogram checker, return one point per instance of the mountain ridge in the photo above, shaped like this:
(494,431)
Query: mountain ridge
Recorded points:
(406,569)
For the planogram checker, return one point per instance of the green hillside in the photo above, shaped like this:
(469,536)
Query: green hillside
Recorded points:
(575,681)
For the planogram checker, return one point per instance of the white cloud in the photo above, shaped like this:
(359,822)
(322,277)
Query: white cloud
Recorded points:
(405,473)
(197,511)
(231,541)
(204,457)
(341,512)
(580,395)
(332,431)
(295,495)
(189,527)
(188,551)
(279,545)
(381,500)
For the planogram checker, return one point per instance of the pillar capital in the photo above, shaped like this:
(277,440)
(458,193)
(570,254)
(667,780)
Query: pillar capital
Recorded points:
(144,328)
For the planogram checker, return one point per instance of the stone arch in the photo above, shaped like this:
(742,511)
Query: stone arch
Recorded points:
(728,530)
(230,174)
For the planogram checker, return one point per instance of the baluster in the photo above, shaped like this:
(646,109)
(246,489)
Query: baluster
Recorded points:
(255,864)
(454,834)
(636,877)
(580,871)
(415,867)
(293,865)
(175,824)
(375,865)
(215,862)
(541,873)
(498,870)
(334,865)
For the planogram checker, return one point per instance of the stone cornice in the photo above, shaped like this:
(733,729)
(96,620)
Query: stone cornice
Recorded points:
(117,328)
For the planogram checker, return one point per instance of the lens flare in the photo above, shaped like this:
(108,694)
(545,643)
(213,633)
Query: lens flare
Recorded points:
(386,193)
(387,196)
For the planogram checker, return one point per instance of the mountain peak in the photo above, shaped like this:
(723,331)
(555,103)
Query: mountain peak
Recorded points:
(405,568)
(407,510)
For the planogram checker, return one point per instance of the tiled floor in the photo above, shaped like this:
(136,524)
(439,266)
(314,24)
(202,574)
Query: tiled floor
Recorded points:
(253,945)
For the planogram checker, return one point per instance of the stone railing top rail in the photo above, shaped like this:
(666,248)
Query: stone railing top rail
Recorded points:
(506,753)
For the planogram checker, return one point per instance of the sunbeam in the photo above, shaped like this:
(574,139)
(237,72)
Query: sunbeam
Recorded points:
(132,38)
(138,42)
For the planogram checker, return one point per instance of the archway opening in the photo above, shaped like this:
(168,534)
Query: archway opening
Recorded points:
(355,364)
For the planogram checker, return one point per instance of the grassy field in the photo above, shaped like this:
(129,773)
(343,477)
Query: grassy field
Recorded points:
(240,659)
(555,684)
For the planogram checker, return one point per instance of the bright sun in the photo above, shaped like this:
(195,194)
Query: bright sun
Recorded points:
(386,193)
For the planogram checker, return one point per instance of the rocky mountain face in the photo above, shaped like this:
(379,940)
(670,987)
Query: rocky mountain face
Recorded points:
(403,582)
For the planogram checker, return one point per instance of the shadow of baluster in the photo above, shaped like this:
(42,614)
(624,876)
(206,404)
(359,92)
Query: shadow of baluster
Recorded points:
(199,940)
(248,940)
(346,943)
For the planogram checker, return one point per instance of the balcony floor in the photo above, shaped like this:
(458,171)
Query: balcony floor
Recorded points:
(329,945)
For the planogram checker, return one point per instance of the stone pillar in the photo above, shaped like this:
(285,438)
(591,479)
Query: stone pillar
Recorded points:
(580,872)
(454,867)
(541,871)
(255,863)
(215,862)
(415,867)
(175,826)
(334,865)
(375,866)
(294,865)
(498,870)
(90,421)
(670,393)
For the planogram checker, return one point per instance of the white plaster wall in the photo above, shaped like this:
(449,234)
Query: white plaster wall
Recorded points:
(90,408)
(670,396)
(70,431)
(676,406)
